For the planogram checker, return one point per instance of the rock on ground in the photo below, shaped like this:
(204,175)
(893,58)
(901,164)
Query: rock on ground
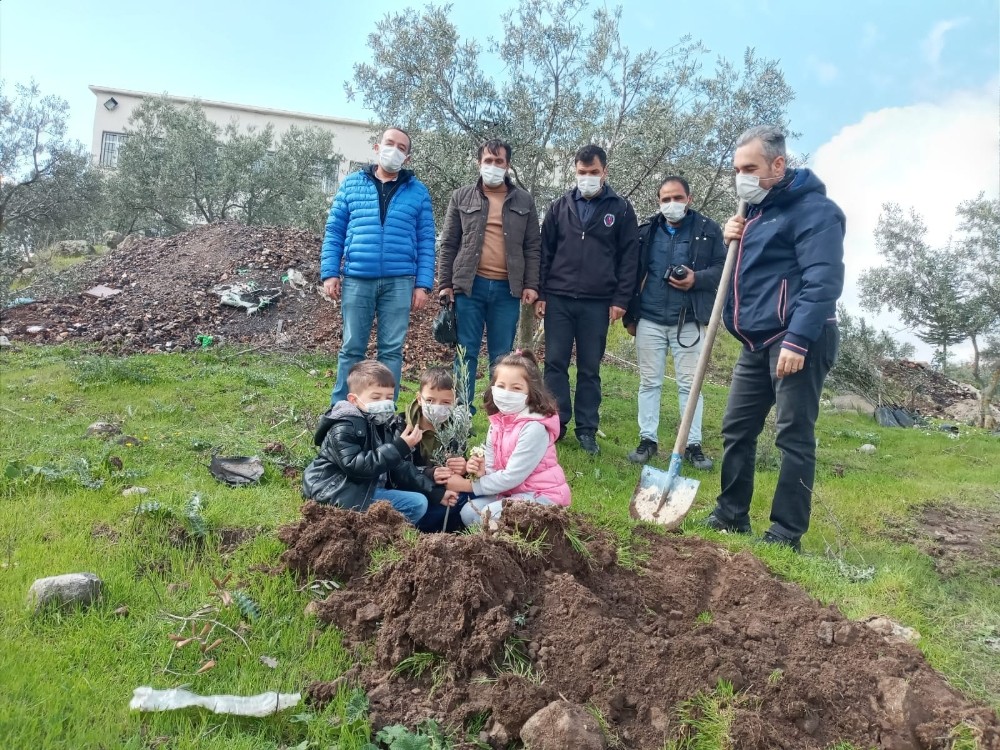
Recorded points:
(562,725)
(65,591)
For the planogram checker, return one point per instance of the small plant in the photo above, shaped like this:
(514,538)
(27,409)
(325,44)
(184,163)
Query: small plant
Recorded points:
(428,736)
(383,556)
(516,662)
(76,470)
(612,737)
(578,543)
(419,662)
(453,436)
(705,720)
(524,544)
(704,618)
(190,515)
(965,737)
(775,677)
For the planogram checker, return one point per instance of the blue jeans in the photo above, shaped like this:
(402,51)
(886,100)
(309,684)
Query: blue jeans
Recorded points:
(361,301)
(413,505)
(491,306)
(652,342)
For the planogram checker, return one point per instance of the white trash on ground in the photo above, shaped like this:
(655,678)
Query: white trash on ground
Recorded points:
(145,698)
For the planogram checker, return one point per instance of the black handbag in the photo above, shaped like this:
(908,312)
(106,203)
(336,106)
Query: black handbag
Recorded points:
(445,325)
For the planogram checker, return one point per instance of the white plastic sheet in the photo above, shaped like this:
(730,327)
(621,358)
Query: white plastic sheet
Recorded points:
(145,698)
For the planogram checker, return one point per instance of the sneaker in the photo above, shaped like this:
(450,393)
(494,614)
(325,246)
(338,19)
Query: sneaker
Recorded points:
(589,444)
(696,458)
(726,527)
(645,451)
(770,537)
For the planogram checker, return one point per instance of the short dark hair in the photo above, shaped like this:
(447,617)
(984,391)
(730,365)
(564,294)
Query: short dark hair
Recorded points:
(588,153)
(540,399)
(437,379)
(409,138)
(369,374)
(493,145)
(674,178)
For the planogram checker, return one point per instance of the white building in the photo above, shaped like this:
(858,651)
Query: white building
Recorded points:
(113,108)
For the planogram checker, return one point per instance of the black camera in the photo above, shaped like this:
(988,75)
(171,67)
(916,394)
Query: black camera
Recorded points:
(676,272)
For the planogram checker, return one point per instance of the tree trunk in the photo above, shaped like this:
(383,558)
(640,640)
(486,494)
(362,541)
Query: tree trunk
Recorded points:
(975,361)
(527,325)
(986,395)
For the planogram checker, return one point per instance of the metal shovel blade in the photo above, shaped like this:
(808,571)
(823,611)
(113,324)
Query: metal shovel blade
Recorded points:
(661,498)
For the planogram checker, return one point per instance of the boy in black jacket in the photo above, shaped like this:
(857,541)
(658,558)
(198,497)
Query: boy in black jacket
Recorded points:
(362,459)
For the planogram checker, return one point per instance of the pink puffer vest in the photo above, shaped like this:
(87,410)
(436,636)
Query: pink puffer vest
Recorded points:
(548,478)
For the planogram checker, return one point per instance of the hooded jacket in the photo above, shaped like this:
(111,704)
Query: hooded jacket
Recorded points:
(708,256)
(545,478)
(464,230)
(360,244)
(789,270)
(355,455)
(597,261)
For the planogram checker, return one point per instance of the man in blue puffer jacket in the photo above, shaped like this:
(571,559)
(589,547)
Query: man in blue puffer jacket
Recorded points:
(378,256)
(782,307)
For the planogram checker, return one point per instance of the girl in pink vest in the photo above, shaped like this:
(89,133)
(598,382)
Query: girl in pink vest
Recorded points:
(520,461)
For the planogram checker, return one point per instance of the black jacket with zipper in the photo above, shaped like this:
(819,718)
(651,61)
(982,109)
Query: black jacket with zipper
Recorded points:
(708,256)
(355,453)
(597,261)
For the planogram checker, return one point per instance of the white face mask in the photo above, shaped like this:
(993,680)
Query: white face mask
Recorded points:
(589,185)
(436,414)
(748,188)
(390,158)
(508,402)
(492,176)
(673,211)
(380,411)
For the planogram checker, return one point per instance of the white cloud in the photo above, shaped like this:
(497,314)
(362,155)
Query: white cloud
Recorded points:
(933,44)
(931,156)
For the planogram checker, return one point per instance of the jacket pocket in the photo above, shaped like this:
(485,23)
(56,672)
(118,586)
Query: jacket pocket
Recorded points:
(783,302)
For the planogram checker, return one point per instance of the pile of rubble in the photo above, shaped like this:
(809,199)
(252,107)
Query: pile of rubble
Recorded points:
(216,284)
(929,392)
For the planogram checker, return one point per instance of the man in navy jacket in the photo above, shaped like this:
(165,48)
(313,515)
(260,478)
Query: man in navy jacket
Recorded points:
(590,251)
(378,256)
(782,307)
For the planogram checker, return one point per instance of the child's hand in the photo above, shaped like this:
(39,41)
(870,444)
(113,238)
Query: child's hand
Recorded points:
(411,435)
(442,474)
(456,464)
(449,499)
(475,465)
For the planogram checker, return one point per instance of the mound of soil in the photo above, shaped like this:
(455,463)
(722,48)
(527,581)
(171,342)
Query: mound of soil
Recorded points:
(166,298)
(929,392)
(957,537)
(539,610)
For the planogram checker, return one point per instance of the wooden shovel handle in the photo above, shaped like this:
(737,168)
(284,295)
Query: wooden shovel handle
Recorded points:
(706,349)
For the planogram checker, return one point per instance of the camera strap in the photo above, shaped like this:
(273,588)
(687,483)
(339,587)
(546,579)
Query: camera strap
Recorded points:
(680,324)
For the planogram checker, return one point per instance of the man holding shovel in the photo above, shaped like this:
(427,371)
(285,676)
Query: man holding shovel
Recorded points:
(782,304)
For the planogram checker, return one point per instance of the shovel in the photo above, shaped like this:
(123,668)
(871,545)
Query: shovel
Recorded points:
(665,497)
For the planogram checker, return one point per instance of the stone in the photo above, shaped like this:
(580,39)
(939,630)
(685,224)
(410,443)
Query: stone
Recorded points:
(562,725)
(824,631)
(867,449)
(659,719)
(34,330)
(845,634)
(103,428)
(311,610)
(4,341)
(498,735)
(130,491)
(65,591)
(368,613)
(757,630)
(892,631)
(112,239)
(75,248)
(853,402)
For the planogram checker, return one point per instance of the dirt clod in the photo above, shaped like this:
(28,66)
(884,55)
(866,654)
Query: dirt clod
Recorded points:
(518,620)
(956,537)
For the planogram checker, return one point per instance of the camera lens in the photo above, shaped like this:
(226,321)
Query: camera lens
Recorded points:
(679,273)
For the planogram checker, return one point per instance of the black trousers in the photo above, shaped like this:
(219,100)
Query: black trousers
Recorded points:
(755,389)
(585,322)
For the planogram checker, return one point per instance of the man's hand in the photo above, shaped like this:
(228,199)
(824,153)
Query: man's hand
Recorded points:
(456,465)
(459,484)
(616,313)
(683,284)
(441,474)
(411,435)
(449,499)
(419,299)
(734,229)
(476,465)
(789,363)
(332,287)
(447,294)
(528,296)
(540,308)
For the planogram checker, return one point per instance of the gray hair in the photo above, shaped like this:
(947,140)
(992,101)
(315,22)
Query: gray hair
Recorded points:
(771,136)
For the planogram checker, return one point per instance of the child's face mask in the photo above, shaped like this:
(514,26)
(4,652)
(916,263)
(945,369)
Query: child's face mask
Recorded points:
(380,411)
(436,414)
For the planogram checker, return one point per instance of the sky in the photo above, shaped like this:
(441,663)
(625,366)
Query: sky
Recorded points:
(896,100)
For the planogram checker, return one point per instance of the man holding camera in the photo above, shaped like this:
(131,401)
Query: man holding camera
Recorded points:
(680,265)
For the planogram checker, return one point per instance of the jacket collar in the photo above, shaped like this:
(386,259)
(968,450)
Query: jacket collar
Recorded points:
(402,177)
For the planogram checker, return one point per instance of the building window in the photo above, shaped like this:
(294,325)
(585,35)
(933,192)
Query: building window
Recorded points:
(327,172)
(110,144)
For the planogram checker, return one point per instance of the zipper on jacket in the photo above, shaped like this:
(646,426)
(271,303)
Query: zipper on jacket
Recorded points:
(736,284)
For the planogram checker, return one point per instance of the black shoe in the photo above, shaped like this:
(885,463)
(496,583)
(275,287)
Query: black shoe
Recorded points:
(589,444)
(696,458)
(645,451)
(771,538)
(726,527)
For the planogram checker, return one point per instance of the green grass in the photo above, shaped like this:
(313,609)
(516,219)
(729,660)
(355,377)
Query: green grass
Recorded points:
(66,678)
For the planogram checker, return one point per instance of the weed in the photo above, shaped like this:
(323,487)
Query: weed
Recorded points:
(383,556)
(107,371)
(775,677)
(578,543)
(190,515)
(517,662)
(612,737)
(704,618)
(414,666)
(705,720)
(428,736)
(965,737)
(524,543)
